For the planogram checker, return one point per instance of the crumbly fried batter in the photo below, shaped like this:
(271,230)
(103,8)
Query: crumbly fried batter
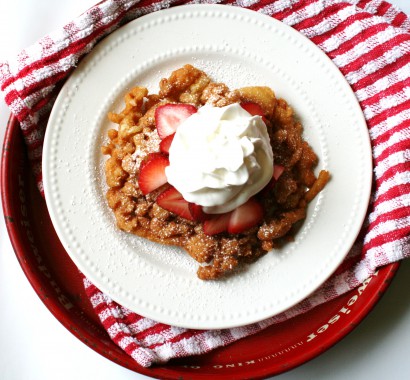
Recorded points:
(284,204)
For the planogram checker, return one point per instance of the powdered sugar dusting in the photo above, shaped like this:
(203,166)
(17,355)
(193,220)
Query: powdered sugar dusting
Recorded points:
(234,75)
(151,144)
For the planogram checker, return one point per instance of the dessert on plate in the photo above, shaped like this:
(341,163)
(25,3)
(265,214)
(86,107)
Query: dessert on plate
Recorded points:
(225,174)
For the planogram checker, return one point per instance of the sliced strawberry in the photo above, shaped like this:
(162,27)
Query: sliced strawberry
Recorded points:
(198,213)
(172,200)
(166,143)
(149,157)
(254,109)
(169,116)
(277,171)
(245,216)
(152,173)
(217,223)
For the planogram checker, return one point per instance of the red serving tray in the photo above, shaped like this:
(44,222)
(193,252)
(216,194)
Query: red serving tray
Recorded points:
(57,282)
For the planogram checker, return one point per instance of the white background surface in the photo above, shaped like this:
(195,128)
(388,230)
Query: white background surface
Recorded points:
(34,345)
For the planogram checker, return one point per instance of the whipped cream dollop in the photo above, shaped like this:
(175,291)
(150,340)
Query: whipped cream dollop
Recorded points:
(220,157)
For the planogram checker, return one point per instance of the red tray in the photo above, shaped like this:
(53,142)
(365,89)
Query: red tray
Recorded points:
(57,282)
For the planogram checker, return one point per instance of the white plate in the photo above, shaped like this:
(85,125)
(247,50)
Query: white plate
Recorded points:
(240,48)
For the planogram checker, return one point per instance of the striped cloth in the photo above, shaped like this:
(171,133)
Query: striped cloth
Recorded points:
(369,40)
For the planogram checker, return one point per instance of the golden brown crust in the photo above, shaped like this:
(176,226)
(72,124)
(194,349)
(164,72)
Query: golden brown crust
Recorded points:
(285,203)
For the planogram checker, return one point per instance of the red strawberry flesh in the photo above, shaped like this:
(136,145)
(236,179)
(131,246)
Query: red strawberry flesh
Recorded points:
(245,217)
(168,117)
(149,157)
(166,143)
(198,213)
(172,200)
(254,109)
(152,173)
(277,171)
(217,224)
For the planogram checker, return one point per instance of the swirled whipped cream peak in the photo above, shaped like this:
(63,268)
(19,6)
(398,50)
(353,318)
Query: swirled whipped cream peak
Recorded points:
(220,157)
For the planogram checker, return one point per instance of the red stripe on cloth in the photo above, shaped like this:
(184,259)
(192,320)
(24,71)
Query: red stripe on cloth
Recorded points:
(107,322)
(22,116)
(377,119)
(260,4)
(350,44)
(119,335)
(146,3)
(292,10)
(393,170)
(383,138)
(398,213)
(363,3)
(393,192)
(312,21)
(13,95)
(155,329)
(189,334)
(378,74)
(395,147)
(279,12)
(132,346)
(340,28)
(91,290)
(178,338)
(40,112)
(371,54)
(394,89)
(399,20)
(102,306)
(131,318)
(387,237)
(383,8)
(75,47)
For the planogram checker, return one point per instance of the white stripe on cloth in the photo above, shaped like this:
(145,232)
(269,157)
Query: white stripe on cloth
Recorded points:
(392,160)
(389,56)
(388,124)
(99,298)
(371,6)
(17,106)
(116,328)
(402,178)
(389,206)
(125,342)
(163,336)
(386,103)
(62,38)
(366,45)
(384,83)
(145,357)
(277,6)
(329,23)
(142,325)
(382,255)
(385,227)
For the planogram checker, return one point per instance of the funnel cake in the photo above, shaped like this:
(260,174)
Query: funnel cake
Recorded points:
(145,204)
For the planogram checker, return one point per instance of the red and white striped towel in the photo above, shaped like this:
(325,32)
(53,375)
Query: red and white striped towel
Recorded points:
(369,40)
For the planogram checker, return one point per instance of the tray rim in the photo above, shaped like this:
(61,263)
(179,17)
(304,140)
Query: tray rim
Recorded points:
(81,333)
